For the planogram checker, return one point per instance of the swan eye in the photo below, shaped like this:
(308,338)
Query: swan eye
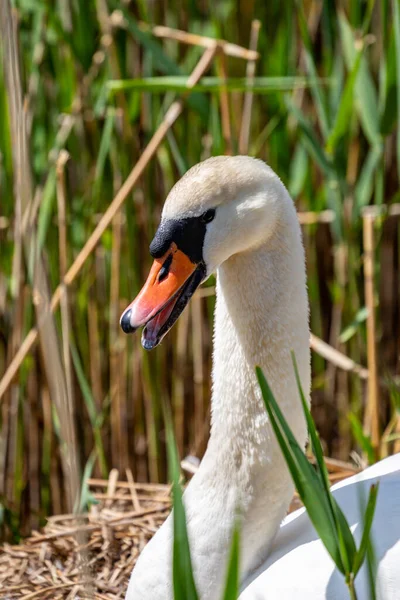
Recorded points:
(208,215)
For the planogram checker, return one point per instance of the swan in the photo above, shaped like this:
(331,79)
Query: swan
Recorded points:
(232,216)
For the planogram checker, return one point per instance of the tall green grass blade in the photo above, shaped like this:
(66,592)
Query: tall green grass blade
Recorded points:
(396,25)
(316,90)
(309,486)
(103,151)
(362,440)
(183,579)
(260,85)
(86,497)
(90,407)
(365,539)
(310,141)
(354,326)
(345,538)
(365,184)
(315,441)
(341,124)
(347,544)
(46,208)
(366,100)
(383,62)
(232,581)
(298,171)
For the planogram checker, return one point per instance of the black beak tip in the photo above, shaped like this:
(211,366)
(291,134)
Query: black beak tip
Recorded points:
(125,322)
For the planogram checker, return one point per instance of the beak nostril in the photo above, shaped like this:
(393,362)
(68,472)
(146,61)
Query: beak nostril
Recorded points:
(165,268)
(125,322)
(162,274)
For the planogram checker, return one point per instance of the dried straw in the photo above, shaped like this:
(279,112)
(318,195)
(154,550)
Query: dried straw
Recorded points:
(49,564)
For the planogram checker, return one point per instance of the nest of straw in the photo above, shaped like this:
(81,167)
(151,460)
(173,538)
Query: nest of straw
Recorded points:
(91,556)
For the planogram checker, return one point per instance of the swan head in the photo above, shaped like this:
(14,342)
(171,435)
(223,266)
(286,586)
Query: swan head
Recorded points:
(220,207)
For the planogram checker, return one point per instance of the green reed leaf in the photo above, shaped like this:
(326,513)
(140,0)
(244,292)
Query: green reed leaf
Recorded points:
(307,482)
(232,580)
(260,85)
(396,25)
(362,440)
(368,519)
(183,578)
(316,90)
(366,101)
(345,538)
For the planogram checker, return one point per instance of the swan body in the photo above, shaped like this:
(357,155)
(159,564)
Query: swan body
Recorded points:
(232,216)
(298,551)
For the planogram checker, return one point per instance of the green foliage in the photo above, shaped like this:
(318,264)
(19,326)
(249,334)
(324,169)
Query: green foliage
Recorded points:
(313,488)
(182,571)
(363,440)
(232,579)
(261,85)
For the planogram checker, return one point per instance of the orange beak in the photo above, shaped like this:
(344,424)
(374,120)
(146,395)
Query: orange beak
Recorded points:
(172,280)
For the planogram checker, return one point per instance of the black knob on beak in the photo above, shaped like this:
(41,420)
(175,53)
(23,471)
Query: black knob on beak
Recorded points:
(125,322)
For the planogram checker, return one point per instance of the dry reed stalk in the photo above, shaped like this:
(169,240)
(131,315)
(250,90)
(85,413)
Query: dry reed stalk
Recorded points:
(396,445)
(119,434)
(372,409)
(343,405)
(224,102)
(133,491)
(200,40)
(111,486)
(63,260)
(32,448)
(47,449)
(248,97)
(95,352)
(311,217)
(137,392)
(336,357)
(151,430)
(334,395)
(170,117)
(110,48)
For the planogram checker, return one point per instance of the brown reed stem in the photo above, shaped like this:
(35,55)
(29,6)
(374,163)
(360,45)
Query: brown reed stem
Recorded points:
(336,357)
(372,410)
(64,301)
(248,97)
(224,101)
(201,40)
(169,119)
(68,414)
(119,434)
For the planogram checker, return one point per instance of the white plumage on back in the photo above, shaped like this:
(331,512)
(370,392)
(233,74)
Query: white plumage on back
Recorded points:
(298,565)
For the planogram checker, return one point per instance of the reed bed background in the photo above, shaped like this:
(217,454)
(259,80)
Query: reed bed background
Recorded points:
(97,123)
